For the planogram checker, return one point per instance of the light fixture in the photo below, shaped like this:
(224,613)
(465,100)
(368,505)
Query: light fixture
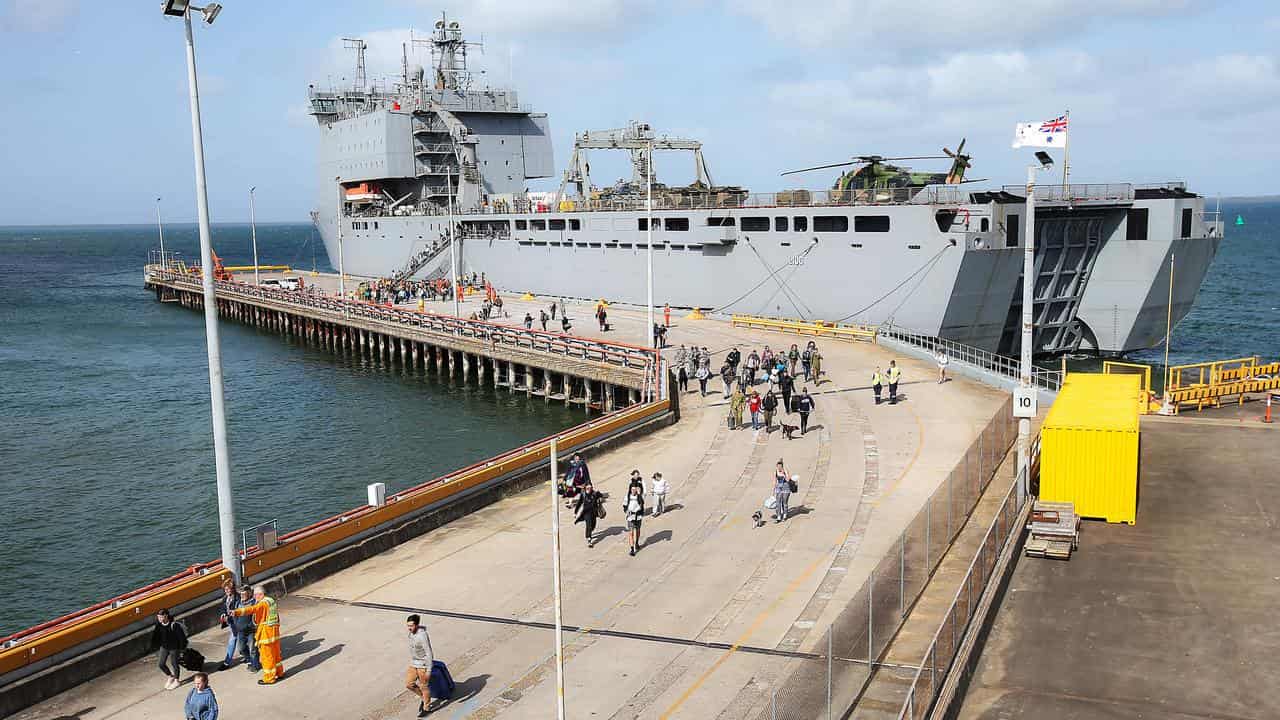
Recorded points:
(1046,162)
(210,12)
(176,8)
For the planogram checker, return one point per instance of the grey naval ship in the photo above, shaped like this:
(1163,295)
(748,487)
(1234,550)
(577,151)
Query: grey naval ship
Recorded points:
(406,165)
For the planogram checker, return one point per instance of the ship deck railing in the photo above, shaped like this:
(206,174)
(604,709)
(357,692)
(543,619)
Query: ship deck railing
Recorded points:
(1078,193)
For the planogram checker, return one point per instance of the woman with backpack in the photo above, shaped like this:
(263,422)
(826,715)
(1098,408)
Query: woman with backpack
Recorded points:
(170,638)
(587,509)
(633,506)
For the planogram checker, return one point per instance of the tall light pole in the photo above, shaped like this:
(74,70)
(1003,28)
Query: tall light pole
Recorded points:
(648,277)
(221,457)
(253,232)
(342,271)
(453,254)
(160,227)
(1025,413)
(555,568)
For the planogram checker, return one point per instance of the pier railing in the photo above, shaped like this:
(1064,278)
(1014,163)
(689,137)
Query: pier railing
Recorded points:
(611,353)
(993,363)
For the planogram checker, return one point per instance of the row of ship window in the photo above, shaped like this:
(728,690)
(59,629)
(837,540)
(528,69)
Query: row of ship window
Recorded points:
(800,223)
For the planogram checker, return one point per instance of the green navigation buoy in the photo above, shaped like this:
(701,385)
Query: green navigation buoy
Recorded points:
(1239,220)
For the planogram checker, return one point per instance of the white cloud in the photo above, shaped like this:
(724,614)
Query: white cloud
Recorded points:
(937,26)
(37,15)
(542,16)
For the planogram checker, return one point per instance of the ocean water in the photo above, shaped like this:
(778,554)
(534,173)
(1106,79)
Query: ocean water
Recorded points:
(106,460)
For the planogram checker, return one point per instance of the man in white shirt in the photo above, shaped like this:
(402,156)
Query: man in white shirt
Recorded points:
(942,367)
(418,679)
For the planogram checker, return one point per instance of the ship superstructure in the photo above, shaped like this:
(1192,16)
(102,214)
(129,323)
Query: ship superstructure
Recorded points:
(402,167)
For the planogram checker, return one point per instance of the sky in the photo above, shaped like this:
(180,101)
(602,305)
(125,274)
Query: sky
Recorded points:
(96,124)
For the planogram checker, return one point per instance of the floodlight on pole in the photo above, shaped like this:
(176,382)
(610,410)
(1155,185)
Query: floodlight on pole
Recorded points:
(217,402)
(1028,322)
(160,228)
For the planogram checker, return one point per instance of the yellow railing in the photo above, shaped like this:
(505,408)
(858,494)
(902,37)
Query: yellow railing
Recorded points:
(262,268)
(802,327)
(47,641)
(1207,383)
(1116,367)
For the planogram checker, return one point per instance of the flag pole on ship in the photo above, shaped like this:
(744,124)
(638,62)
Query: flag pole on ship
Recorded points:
(1066,152)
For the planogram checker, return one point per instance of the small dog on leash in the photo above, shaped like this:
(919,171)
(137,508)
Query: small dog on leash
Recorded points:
(788,430)
(757,518)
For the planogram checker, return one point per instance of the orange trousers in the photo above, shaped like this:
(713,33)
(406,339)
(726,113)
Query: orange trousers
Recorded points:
(268,641)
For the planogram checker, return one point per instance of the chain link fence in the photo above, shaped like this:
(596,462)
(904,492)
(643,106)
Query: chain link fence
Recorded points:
(827,682)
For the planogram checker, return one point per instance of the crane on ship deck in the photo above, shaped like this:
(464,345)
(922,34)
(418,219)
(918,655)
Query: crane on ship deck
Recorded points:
(637,138)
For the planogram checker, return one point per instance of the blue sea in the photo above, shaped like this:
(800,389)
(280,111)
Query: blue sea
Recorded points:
(106,461)
(106,445)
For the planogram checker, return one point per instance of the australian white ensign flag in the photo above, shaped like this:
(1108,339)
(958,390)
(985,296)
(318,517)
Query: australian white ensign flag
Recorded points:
(1049,134)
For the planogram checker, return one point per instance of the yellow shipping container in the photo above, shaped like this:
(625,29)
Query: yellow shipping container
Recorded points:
(1089,447)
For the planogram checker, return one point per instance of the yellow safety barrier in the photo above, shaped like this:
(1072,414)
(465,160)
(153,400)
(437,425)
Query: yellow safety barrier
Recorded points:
(267,268)
(1116,367)
(1208,383)
(803,327)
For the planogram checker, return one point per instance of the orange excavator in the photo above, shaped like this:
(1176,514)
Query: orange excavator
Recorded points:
(219,270)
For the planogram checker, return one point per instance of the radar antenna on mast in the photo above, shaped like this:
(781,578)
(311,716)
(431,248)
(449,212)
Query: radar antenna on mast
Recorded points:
(449,55)
(361,82)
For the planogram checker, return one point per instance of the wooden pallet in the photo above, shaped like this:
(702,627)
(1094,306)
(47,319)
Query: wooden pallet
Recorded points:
(1054,530)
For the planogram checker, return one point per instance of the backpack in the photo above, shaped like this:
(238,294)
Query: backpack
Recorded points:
(792,486)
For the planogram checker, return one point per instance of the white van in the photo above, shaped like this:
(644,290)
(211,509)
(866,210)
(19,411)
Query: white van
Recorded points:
(271,283)
(290,283)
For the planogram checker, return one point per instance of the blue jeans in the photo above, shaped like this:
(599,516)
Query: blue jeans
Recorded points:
(755,420)
(780,511)
(248,649)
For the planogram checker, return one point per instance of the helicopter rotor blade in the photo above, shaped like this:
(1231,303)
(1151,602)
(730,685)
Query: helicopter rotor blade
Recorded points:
(820,167)
(916,157)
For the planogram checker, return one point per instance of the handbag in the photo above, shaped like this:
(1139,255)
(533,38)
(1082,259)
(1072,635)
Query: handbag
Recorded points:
(600,511)
(792,486)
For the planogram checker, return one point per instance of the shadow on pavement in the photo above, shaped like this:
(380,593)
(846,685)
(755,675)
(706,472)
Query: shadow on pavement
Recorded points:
(311,661)
(77,714)
(657,537)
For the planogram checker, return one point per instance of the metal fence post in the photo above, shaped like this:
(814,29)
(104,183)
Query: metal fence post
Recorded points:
(902,574)
(871,584)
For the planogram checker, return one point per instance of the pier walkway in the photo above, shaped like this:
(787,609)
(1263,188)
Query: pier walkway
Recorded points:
(702,623)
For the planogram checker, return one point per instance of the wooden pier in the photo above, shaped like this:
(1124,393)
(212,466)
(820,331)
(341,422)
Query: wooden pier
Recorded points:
(595,374)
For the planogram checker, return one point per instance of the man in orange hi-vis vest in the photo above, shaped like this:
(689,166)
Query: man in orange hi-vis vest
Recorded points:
(267,637)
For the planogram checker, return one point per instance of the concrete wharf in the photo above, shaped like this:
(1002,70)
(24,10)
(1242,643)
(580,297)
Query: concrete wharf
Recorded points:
(1172,617)
(708,620)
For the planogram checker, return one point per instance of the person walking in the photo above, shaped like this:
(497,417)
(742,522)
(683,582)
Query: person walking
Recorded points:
(737,402)
(682,379)
(806,362)
(201,704)
(770,406)
(170,638)
(681,356)
(815,360)
(781,493)
(703,375)
(542,315)
(753,406)
(753,367)
(564,324)
(266,616)
(726,375)
(876,383)
(766,358)
(633,506)
(586,509)
(943,361)
(418,677)
(602,317)
(895,374)
(793,356)
(553,309)
(528,321)
(804,405)
(660,488)
(636,481)
(788,385)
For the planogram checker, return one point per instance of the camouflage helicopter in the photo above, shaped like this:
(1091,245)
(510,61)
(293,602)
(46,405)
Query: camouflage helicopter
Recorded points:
(873,172)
